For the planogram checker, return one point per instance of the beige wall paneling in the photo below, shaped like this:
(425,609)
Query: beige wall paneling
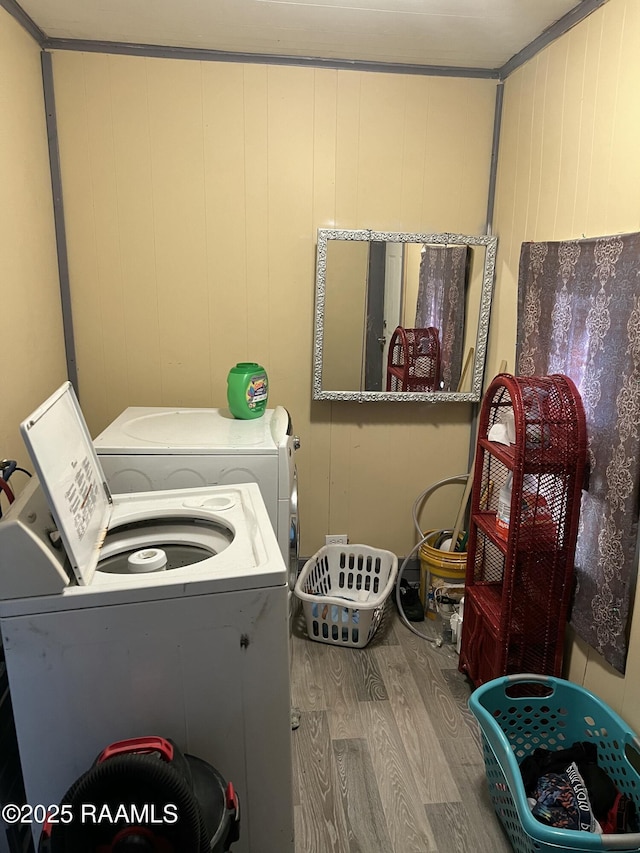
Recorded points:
(313,420)
(347,214)
(379,145)
(176,130)
(300,157)
(83,260)
(141,336)
(574,127)
(625,172)
(232,171)
(602,207)
(569,167)
(135,242)
(540,204)
(501,343)
(257,212)
(384,463)
(472,309)
(107,303)
(33,358)
(458,154)
(344,314)
(589,63)
(94,206)
(193,193)
(626,189)
(411,285)
(630,706)
(228,193)
(344,210)
(415,163)
(382,457)
(290,237)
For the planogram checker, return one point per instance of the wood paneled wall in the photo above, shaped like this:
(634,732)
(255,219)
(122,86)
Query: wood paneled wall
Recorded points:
(569,167)
(193,193)
(32,354)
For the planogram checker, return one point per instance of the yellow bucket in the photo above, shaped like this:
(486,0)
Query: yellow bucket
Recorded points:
(439,569)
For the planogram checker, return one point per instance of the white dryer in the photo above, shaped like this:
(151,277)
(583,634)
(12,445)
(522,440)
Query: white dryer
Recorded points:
(149,448)
(160,613)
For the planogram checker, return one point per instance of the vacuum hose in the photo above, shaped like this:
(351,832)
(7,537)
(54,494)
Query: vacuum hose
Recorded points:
(459,478)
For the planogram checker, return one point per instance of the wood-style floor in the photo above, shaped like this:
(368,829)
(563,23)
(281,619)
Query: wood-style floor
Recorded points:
(387,758)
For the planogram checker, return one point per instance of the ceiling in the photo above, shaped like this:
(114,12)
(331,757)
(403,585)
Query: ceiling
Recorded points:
(477,34)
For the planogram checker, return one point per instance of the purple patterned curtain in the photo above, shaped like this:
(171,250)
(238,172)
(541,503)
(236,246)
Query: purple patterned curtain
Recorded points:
(441,304)
(579,314)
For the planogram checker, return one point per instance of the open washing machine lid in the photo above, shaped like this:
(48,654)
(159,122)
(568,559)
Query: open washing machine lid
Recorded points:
(72,479)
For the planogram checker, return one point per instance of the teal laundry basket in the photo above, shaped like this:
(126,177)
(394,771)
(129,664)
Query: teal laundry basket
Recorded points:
(520,713)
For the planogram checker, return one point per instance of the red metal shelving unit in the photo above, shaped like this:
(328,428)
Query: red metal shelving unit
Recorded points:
(518,588)
(413,361)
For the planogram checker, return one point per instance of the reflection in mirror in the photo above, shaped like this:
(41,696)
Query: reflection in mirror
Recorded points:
(398,315)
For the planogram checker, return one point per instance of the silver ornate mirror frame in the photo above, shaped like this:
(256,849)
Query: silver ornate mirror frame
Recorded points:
(474,395)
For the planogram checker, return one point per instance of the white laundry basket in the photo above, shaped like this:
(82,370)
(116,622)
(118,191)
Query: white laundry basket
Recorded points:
(343,589)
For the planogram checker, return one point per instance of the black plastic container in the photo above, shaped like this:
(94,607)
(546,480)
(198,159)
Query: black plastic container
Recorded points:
(145,796)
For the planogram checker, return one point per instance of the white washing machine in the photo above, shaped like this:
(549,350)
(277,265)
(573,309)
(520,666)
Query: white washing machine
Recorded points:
(163,448)
(104,640)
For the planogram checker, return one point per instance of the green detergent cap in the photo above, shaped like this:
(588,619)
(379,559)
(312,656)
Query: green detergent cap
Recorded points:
(247,390)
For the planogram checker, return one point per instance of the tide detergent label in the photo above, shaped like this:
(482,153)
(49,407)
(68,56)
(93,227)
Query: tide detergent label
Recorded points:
(257,391)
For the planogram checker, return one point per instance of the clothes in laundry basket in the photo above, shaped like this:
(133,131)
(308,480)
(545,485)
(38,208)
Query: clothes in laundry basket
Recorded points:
(561,799)
(338,614)
(566,788)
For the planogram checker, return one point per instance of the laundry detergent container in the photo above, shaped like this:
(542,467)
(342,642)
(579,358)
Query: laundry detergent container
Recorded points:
(247,390)
(145,796)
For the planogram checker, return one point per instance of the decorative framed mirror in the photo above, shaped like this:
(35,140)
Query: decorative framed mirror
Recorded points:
(401,317)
